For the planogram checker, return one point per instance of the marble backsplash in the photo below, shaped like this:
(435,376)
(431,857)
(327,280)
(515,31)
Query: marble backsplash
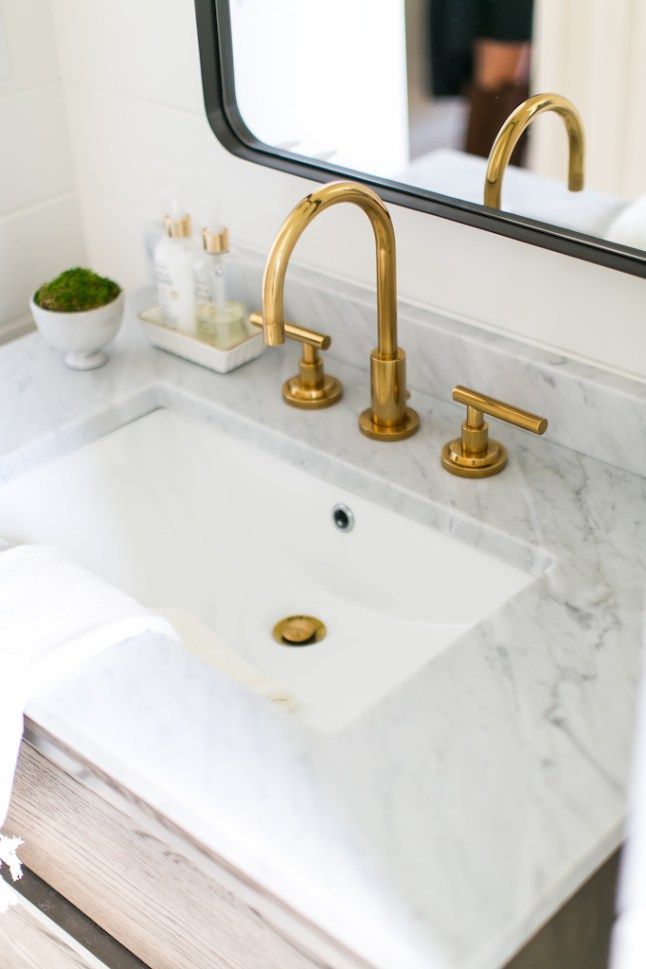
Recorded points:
(591,410)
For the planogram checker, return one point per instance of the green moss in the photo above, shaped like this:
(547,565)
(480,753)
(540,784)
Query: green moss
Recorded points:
(76,290)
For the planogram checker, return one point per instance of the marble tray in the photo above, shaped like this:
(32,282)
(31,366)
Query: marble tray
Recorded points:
(196,350)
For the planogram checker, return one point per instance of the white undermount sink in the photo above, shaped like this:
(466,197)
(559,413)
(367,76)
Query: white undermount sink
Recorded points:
(181,514)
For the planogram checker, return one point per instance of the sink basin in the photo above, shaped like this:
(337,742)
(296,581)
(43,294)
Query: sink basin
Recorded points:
(183,515)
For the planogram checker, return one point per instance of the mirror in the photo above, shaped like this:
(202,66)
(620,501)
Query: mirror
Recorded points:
(409,96)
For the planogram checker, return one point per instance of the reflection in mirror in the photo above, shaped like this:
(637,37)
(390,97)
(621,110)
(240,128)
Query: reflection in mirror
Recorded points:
(513,131)
(416,91)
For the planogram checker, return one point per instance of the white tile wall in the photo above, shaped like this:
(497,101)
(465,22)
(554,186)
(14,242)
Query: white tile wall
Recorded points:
(36,158)
(31,44)
(117,249)
(35,245)
(145,48)
(40,227)
(136,120)
(140,147)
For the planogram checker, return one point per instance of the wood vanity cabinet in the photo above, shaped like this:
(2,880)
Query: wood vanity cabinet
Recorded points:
(176,906)
(171,910)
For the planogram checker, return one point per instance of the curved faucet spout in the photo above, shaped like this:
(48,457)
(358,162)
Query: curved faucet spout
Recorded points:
(289,234)
(510,133)
(388,418)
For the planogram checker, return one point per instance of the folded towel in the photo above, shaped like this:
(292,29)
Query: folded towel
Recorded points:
(53,615)
(203,642)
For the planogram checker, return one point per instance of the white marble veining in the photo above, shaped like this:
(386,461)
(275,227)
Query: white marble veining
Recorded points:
(442,826)
(592,411)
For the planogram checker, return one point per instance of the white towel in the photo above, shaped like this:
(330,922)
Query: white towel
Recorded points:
(53,615)
(203,642)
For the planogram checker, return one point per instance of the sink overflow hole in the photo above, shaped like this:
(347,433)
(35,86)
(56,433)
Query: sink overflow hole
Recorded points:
(299,631)
(343,518)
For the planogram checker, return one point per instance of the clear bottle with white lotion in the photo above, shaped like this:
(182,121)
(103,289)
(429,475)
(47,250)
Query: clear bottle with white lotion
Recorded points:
(174,256)
(221,321)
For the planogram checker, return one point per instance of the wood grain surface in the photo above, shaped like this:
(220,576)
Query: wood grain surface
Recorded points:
(29,941)
(148,896)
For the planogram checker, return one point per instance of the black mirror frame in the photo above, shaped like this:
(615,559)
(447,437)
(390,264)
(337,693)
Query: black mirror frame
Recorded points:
(216,56)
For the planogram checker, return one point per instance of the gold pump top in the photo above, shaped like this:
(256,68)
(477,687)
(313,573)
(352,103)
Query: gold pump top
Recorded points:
(178,227)
(511,131)
(290,232)
(215,242)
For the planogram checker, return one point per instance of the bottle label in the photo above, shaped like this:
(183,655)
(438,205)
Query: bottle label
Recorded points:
(167,296)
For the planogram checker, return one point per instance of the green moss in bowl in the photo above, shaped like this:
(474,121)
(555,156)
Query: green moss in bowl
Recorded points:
(76,290)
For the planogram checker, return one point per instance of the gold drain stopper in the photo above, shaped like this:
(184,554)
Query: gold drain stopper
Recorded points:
(299,631)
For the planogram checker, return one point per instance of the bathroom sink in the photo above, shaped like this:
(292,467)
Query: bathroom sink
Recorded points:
(183,515)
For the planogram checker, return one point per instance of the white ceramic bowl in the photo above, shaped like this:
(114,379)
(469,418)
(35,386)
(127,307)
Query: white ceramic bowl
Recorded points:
(81,335)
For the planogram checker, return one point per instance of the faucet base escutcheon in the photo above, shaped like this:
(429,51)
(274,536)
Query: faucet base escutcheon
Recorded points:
(396,432)
(298,394)
(456,461)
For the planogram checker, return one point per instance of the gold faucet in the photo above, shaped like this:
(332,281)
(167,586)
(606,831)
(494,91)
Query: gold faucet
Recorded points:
(389,418)
(510,133)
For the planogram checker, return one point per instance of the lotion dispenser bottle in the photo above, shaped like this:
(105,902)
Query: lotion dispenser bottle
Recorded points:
(173,259)
(221,320)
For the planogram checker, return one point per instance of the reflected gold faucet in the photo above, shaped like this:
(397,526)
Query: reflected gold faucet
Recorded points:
(510,133)
(388,418)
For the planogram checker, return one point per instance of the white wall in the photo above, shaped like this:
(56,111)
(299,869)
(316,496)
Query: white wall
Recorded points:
(40,229)
(137,124)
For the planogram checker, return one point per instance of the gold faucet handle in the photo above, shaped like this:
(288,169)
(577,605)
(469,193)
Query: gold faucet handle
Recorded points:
(311,388)
(320,341)
(473,455)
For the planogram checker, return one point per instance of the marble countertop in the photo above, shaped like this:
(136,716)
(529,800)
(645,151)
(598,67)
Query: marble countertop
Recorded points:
(445,824)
